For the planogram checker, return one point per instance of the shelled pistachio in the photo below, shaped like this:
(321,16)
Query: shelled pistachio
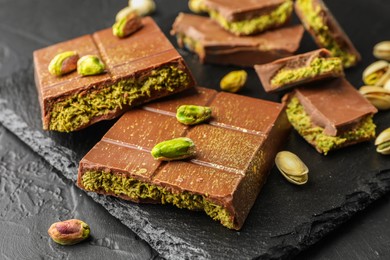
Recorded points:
(234,81)
(63,63)
(174,149)
(192,115)
(69,232)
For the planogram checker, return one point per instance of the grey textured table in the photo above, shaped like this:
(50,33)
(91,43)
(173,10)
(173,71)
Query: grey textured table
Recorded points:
(33,194)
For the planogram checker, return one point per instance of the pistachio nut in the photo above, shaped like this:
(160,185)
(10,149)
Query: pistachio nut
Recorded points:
(376,73)
(382,142)
(90,65)
(382,50)
(174,149)
(142,7)
(123,13)
(378,96)
(63,63)
(127,25)
(69,232)
(192,114)
(234,81)
(291,167)
(387,85)
(197,6)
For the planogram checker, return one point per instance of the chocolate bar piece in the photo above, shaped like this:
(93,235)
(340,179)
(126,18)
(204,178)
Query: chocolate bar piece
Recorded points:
(248,17)
(299,69)
(235,151)
(139,68)
(331,115)
(214,45)
(326,31)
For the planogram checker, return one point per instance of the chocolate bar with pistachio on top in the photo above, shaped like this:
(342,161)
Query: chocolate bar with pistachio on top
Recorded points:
(234,152)
(299,69)
(248,17)
(331,115)
(139,68)
(215,45)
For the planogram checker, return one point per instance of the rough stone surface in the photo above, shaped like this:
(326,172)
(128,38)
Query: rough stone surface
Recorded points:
(285,219)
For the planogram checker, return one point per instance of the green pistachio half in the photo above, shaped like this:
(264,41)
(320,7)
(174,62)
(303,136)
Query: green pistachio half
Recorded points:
(292,167)
(382,142)
(63,63)
(174,149)
(69,232)
(90,65)
(382,50)
(234,81)
(192,115)
(376,73)
(127,25)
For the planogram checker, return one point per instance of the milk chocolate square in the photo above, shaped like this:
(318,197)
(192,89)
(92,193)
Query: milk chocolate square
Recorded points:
(235,151)
(139,68)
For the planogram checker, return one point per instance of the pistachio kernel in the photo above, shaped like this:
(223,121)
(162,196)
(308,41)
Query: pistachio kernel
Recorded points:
(192,114)
(382,142)
(234,81)
(69,232)
(174,149)
(142,7)
(374,73)
(90,65)
(63,63)
(127,25)
(291,167)
(382,50)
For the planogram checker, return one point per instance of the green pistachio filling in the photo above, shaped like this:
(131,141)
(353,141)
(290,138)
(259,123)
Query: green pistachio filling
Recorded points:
(317,67)
(257,24)
(77,110)
(300,120)
(126,186)
(315,21)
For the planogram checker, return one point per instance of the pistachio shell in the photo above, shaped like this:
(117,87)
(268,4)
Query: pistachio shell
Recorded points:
(383,142)
(386,85)
(382,50)
(378,96)
(142,7)
(373,73)
(123,13)
(291,167)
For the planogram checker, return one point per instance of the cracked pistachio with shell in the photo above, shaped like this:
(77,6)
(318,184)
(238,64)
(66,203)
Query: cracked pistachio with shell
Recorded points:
(382,50)
(378,96)
(377,73)
(292,167)
(382,142)
(141,7)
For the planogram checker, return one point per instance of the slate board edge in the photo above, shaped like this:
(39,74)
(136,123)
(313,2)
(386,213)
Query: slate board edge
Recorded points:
(175,248)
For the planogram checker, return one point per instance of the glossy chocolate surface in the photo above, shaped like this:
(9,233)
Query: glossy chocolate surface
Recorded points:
(235,150)
(221,47)
(334,105)
(267,71)
(131,57)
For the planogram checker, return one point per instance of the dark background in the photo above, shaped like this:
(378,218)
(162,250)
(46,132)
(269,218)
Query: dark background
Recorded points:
(33,194)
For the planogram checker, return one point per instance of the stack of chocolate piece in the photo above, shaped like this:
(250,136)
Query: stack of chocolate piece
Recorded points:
(239,32)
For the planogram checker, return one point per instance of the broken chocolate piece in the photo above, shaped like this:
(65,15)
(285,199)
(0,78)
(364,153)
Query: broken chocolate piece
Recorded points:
(214,45)
(326,31)
(331,115)
(299,69)
(139,68)
(248,17)
(234,154)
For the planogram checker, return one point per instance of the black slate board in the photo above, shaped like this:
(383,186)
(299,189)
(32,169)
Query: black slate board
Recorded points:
(285,218)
